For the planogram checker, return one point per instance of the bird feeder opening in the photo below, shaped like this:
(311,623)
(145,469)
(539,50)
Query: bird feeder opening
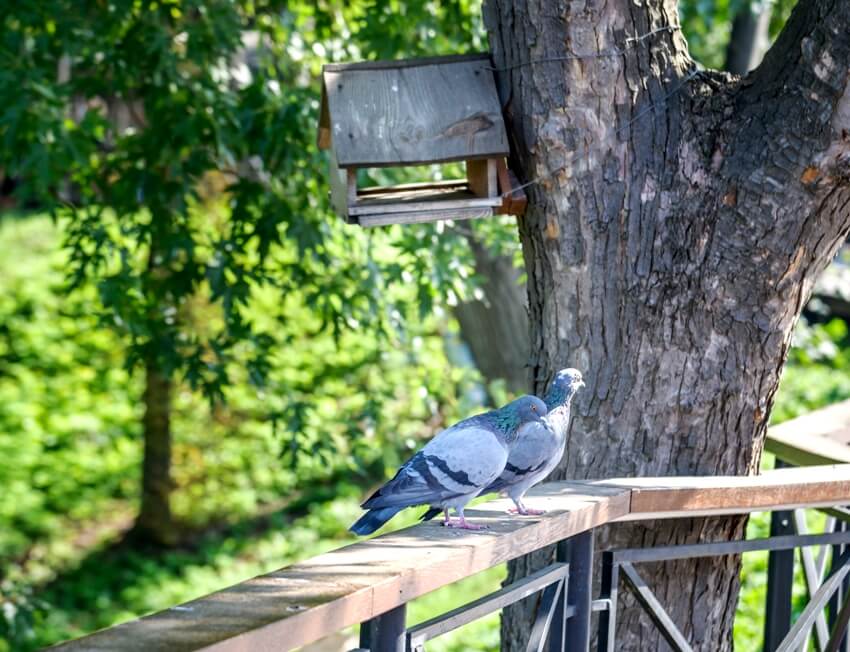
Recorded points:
(442,111)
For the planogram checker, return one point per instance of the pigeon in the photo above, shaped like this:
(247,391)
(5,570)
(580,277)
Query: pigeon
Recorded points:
(453,467)
(540,445)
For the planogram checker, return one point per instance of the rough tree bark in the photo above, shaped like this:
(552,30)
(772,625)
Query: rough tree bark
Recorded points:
(154,523)
(669,259)
(495,329)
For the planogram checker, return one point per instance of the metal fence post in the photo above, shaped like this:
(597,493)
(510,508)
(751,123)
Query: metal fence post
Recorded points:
(579,588)
(780,579)
(365,642)
(385,633)
(557,630)
(609,591)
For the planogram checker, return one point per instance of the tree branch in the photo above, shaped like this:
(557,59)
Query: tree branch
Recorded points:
(793,111)
(780,157)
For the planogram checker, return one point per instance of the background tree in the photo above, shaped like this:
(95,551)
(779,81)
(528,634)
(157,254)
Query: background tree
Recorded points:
(495,326)
(750,37)
(670,259)
(212,193)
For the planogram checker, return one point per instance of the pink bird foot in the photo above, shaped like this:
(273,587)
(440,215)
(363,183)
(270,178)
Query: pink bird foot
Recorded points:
(526,511)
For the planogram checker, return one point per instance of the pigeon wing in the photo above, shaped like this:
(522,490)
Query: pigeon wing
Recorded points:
(460,461)
(535,446)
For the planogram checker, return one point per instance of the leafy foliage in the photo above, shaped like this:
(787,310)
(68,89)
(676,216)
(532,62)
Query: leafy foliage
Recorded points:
(69,417)
(707,24)
(215,191)
(818,370)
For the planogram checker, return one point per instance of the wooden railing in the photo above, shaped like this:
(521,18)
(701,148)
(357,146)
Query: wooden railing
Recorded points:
(372,581)
(820,437)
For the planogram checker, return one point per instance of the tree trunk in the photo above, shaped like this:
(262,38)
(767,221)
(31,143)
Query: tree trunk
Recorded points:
(496,328)
(155,523)
(750,37)
(670,243)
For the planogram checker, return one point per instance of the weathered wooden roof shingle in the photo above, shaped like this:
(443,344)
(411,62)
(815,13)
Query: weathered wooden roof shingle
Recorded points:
(419,111)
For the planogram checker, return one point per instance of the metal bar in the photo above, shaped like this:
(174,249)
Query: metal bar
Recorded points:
(780,580)
(388,631)
(693,550)
(654,610)
(606,636)
(845,593)
(831,525)
(545,611)
(840,513)
(839,628)
(558,628)
(835,602)
(813,577)
(820,566)
(580,585)
(515,592)
(797,634)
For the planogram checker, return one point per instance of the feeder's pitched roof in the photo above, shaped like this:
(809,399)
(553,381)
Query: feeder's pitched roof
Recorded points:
(383,113)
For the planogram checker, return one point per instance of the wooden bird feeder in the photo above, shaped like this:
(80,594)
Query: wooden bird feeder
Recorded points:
(418,112)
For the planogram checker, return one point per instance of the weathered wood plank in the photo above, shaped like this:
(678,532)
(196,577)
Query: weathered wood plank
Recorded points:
(819,437)
(301,603)
(341,188)
(824,421)
(383,115)
(323,136)
(420,200)
(445,184)
(513,197)
(480,57)
(678,497)
(808,450)
(415,217)
(482,177)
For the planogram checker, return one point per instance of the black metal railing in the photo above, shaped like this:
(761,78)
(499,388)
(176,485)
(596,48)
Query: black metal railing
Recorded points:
(615,562)
(563,618)
(556,626)
(780,581)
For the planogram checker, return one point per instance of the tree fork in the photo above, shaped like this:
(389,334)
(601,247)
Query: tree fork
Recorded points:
(669,260)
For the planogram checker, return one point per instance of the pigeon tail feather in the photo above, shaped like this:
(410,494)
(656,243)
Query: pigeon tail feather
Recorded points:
(431,513)
(374,519)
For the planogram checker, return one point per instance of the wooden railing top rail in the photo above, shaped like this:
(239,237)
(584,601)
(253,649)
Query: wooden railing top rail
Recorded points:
(820,437)
(308,600)
(675,497)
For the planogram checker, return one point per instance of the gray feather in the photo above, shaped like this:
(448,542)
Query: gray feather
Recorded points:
(539,446)
(453,467)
